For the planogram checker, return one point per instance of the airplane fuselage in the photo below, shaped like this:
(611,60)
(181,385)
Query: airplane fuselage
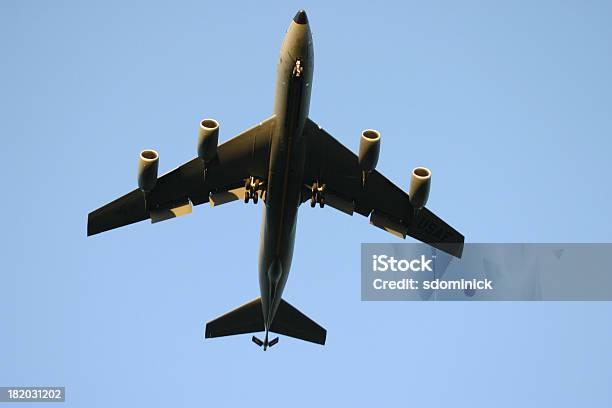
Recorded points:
(287,157)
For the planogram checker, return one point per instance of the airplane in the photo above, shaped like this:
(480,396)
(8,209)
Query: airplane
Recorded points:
(284,161)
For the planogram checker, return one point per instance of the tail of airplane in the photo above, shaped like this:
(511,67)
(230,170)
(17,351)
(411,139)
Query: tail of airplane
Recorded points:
(248,318)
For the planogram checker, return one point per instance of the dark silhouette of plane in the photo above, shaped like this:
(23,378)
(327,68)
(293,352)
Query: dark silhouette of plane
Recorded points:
(284,161)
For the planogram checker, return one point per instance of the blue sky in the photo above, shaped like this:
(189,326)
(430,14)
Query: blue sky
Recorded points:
(507,102)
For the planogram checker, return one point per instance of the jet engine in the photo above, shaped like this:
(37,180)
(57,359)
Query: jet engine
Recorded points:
(208,139)
(419,187)
(369,149)
(148,164)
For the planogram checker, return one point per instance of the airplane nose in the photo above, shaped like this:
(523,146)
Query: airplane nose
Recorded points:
(301,17)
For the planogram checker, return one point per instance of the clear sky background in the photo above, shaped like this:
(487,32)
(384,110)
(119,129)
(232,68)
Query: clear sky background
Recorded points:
(509,104)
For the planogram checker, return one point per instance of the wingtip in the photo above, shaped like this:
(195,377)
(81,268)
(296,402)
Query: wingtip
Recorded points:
(90,228)
(207,332)
(459,253)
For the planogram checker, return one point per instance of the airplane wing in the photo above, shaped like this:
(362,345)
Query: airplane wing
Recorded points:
(223,180)
(331,163)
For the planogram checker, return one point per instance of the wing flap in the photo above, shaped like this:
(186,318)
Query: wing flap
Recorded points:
(340,204)
(388,224)
(225,197)
(178,210)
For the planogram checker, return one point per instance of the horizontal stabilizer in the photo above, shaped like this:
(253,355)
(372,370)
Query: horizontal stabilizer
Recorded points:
(291,322)
(247,318)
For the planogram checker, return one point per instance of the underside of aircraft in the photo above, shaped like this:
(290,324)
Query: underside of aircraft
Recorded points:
(284,161)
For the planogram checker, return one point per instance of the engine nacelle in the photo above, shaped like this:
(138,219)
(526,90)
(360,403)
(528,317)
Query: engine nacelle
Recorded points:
(369,149)
(148,164)
(208,139)
(419,187)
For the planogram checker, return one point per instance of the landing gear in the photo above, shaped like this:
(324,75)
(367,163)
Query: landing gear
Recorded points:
(252,188)
(317,195)
(297,69)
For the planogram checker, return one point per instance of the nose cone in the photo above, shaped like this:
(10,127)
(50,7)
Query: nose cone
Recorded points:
(301,17)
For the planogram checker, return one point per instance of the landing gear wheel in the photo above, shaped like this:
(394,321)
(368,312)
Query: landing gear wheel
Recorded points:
(317,195)
(255,198)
